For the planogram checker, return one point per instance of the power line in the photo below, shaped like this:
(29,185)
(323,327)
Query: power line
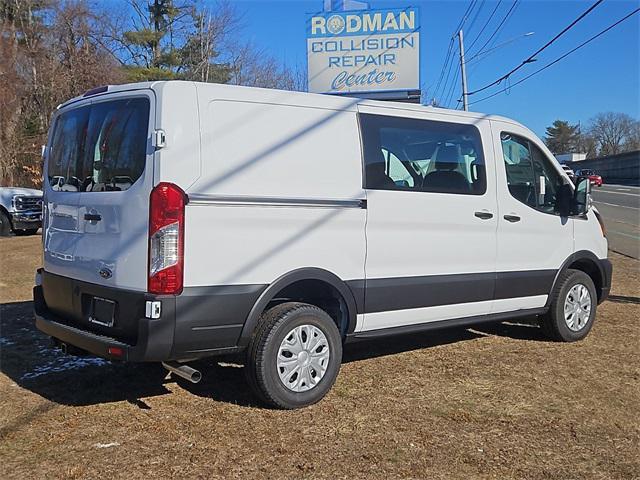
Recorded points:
(498,28)
(444,66)
(486,24)
(475,17)
(509,17)
(465,16)
(480,56)
(449,56)
(561,57)
(531,58)
(453,52)
(446,82)
(447,99)
(449,96)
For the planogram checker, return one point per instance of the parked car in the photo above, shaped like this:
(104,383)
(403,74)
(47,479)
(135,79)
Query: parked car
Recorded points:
(570,173)
(282,225)
(594,178)
(20,211)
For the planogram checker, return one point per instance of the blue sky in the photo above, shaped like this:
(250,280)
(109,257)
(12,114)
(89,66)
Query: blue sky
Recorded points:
(602,76)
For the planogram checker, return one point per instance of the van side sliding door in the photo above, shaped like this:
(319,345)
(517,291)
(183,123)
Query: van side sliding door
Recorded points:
(431,217)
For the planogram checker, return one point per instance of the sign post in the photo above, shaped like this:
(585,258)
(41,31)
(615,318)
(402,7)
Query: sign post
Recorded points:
(372,53)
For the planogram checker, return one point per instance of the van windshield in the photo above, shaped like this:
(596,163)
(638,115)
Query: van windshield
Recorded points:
(100,147)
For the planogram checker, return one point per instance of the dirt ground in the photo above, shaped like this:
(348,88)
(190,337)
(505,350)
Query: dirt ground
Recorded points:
(491,402)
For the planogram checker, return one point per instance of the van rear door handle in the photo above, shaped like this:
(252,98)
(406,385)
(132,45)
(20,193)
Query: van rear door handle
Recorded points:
(484,215)
(512,218)
(92,217)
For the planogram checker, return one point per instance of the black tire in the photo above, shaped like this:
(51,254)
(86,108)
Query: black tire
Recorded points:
(25,232)
(261,368)
(5,225)
(553,324)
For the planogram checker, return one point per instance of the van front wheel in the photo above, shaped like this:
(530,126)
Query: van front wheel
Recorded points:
(294,356)
(573,307)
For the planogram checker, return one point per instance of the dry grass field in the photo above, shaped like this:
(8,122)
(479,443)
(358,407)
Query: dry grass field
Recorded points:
(496,401)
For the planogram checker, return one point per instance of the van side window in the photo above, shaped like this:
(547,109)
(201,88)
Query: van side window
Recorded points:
(422,155)
(100,147)
(531,177)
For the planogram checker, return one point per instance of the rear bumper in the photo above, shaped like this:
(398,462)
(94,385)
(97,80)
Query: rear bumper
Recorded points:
(201,322)
(154,338)
(607,273)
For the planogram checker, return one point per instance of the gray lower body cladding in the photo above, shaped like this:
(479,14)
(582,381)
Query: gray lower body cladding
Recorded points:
(202,321)
(206,321)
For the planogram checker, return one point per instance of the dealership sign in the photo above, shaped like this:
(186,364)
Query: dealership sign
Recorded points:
(364,51)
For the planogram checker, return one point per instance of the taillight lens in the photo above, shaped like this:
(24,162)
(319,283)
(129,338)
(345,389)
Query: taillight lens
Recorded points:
(166,239)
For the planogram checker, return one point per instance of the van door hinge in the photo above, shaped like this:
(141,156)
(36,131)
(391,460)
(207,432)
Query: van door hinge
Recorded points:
(159,139)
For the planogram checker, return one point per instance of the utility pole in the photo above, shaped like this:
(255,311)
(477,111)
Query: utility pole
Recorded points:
(465,102)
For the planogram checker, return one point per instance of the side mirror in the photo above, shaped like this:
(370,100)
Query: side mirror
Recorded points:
(581,201)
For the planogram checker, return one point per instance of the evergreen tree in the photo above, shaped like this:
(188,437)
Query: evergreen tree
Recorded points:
(172,40)
(562,137)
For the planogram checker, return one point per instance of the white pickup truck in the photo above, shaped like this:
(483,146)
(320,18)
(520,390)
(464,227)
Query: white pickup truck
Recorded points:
(20,211)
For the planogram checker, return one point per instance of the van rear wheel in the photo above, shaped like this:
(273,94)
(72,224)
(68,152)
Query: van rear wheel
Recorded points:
(573,307)
(294,356)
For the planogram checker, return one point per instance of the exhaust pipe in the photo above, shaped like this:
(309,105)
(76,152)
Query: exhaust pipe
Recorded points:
(184,371)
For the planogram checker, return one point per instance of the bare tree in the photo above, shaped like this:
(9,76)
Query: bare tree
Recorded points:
(49,54)
(632,142)
(253,67)
(612,132)
(52,50)
(213,28)
(171,39)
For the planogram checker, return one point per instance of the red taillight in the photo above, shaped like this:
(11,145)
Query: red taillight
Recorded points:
(115,351)
(166,239)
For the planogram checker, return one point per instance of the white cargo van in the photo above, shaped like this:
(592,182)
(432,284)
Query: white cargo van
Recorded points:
(190,220)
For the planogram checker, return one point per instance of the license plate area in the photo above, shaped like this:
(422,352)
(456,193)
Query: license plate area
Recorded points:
(102,311)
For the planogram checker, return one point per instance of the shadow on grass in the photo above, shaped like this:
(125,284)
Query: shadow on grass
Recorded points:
(623,299)
(26,357)
(518,329)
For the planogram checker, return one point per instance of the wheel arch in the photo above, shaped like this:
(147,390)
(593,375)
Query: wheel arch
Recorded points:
(586,262)
(303,278)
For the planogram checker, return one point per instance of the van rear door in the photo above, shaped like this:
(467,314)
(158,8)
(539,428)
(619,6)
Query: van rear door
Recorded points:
(100,174)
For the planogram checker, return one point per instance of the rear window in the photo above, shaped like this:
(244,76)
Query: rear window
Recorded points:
(100,147)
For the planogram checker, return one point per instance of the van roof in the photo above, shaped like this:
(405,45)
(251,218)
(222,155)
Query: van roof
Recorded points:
(318,100)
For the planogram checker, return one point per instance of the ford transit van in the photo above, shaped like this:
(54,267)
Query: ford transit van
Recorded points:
(184,220)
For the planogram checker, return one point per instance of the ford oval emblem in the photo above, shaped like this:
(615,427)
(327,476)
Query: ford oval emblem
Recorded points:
(106,273)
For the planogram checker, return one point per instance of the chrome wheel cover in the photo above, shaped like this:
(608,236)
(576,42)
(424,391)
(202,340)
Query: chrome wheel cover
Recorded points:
(577,307)
(303,358)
